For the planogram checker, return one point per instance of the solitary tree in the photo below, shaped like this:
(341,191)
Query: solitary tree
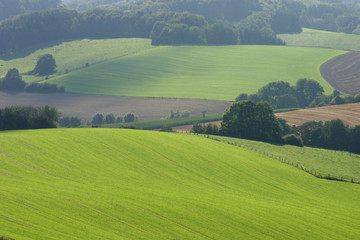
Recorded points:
(45,65)
(249,120)
(13,81)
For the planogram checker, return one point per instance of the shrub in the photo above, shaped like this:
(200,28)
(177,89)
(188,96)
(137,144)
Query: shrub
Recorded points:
(130,117)
(98,119)
(13,81)
(357,98)
(110,118)
(44,88)
(292,139)
(197,128)
(69,122)
(337,100)
(166,128)
(45,65)
(119,119)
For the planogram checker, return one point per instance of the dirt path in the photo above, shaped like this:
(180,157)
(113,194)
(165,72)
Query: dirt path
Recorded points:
(343,72)
(86,106)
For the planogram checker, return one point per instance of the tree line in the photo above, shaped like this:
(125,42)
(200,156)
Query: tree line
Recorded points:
(13,118)
(256,121)
(305,93)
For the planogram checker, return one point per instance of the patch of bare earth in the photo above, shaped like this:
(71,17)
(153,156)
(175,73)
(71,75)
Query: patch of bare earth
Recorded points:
(348,113)
(86,106)
(343,72)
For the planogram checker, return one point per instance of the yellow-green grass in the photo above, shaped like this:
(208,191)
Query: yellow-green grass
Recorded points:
(317,38)
(131,184)
(72,55)
(320,162)
(199,72)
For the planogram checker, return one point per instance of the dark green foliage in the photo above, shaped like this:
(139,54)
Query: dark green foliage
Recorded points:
(285,22)
(220,34)
(357,98)
(256,29)
(10,8)
(307,90)
(292,139)
(119,119)
(285,128)
(69,122)
(44,88)
(166,128)
(130,117)
(12,118)
(110,118)
(198,128)
(241,97)
(337,100)
(210,129)
(45,65)
(98,119)
(13,81)
(332,135)
(249,120)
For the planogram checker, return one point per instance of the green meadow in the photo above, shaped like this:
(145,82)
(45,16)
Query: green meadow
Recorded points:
(318,38)
(199,72)
(132,184)
(326,162)
(73,55)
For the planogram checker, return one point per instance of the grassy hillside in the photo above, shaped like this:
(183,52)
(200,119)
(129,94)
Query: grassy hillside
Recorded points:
(72,55)
(123,184)
(317,38)
(202,72)
(326,162)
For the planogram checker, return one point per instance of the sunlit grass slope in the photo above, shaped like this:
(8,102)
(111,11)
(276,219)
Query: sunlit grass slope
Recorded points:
(202,72)
(72,55)
(326,162)
(317,38)
(128,184)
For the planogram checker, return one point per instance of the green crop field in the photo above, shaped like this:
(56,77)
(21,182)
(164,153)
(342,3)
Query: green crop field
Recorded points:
(199,72)
(317,38)
(337,164)
(72,55)
(132,184)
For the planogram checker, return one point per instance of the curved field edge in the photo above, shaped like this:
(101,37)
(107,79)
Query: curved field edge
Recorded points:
(123,184)
(199,72)
(342,72)
(71,55)
(323,39)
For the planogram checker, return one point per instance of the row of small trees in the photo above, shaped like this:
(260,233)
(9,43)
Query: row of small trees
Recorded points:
(110,118)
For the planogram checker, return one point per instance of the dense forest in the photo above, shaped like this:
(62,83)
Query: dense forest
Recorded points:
(9,8)
(171,22)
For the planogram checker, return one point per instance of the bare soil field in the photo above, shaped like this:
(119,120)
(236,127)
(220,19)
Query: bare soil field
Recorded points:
(343,72)
(348,113)
(86,106)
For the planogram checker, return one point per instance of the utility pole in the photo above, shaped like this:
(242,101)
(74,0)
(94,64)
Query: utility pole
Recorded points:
(203,113)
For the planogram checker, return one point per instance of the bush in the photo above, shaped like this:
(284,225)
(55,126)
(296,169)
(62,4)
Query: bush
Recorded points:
(110,118)
(45,65)
(166,128)
(357,98)
(13,81)
(69,122)
(292,139)
(179,114)
(98,119)
(337,100)
(130,117)
(197,128)
(119,119)
(44,88)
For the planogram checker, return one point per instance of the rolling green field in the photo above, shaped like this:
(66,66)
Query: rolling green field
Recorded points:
(326,162)
(199,72)
(72,55)
(130,184)
(317,38)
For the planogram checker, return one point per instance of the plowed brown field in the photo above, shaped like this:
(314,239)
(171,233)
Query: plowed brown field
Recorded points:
(343,72)
(86,106)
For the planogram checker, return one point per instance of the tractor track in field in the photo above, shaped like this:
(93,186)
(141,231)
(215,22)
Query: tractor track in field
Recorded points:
(343,72)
